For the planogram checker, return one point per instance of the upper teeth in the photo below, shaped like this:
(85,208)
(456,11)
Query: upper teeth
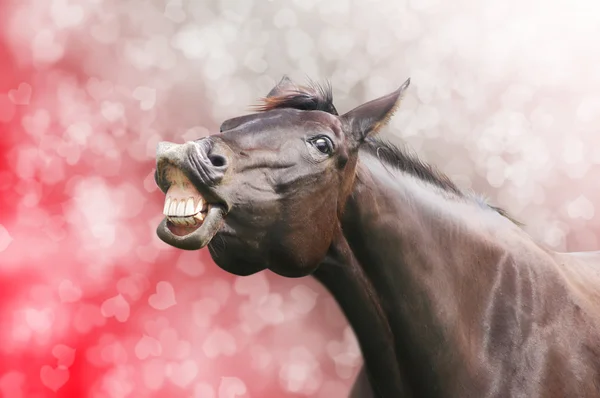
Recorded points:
(177,207)
(184,204)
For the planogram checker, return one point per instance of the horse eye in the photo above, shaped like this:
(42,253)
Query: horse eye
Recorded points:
(323,144)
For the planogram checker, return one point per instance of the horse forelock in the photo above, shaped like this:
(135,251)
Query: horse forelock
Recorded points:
(312,97)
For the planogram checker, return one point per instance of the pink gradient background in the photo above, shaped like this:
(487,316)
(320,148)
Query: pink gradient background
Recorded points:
(505,99)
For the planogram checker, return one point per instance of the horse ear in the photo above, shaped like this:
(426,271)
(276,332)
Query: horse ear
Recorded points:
(285,85)
(369,118)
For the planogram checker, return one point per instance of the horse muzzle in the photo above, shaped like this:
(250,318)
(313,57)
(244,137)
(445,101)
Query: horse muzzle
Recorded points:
(193,211)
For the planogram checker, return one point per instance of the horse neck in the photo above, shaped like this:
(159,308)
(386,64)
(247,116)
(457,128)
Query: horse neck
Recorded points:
(429,259)
(343,276)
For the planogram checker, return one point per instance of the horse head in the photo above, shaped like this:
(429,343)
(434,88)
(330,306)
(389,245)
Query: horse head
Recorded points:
(267,190)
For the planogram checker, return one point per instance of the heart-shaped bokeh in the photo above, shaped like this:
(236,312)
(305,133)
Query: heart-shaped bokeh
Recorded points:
(94,304)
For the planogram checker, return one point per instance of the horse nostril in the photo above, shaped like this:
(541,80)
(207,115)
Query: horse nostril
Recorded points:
(217,160)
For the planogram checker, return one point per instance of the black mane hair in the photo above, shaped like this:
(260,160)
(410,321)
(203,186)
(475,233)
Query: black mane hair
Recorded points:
(409,163)
(312,97)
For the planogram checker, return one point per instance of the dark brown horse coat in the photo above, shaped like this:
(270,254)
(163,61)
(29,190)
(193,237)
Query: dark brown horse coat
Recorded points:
(447,296)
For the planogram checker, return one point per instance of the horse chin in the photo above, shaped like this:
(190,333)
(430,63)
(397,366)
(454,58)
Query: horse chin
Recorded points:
(291,272)
(234,264)
(194,237)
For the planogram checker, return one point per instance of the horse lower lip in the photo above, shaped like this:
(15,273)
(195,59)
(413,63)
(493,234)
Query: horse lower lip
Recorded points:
(182,230)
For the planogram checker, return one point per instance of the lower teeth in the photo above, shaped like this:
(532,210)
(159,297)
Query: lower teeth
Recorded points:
(184,221)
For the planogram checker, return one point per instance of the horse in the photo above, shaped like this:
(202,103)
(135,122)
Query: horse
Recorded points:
(447,294)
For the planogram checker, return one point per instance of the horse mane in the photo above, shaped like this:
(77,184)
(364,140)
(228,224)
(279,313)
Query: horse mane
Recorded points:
(409,163)
(319,97)
(312,97)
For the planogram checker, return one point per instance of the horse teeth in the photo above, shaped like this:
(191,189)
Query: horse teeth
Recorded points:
(181,208)
(167,206)
(199,206)
(173,207)
(188,221)
(189,207)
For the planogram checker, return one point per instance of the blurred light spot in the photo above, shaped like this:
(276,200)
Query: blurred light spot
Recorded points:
(66,15)
(98,89)
(86,317)
(153,373)
(112,111)
(219,342)
(203,390)
(36,124)
(45,48)
(64,354)
(112,352)
(118,381)
(335,43)
(190,41)
(53,378)
(116,307)
(203,310)
(155,327)
(146,96)
(261,357)
(133,286)
(588,109)
(332,389)
(237,11)
(573,150)
(147,346)
(107,31)
(270,309)
(554,237)
(298,43)
(301,372)
(304,297)
(22,95)
(5,238)
(39,320)
(284,18)
(11,384)
(581,207)
(173,347)
(231,387)
(150,182)
(190,263)
(68,291)
(254,60)
(174,11)
(516,96)
(254,286)
(182,374)
(164,297)
(7,108)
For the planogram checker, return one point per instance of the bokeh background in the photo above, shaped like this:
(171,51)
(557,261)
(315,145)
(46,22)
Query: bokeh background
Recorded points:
(505,98)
